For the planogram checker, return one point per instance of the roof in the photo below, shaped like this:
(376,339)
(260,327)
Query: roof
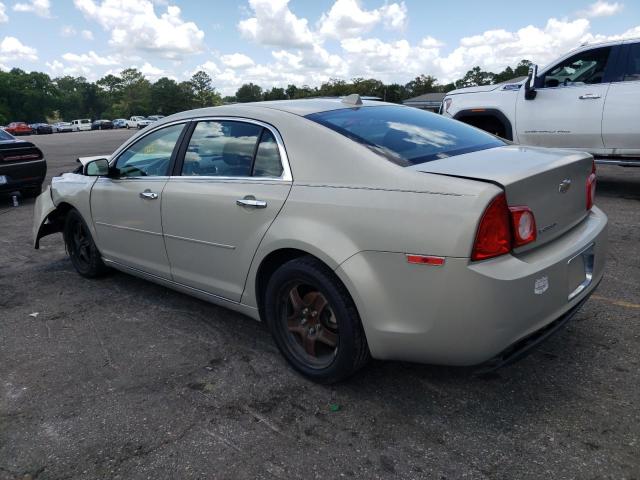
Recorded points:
(302,107)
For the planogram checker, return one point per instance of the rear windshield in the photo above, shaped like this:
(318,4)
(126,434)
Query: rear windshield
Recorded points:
(406,135)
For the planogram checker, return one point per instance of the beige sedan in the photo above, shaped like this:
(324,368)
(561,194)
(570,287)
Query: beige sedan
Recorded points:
(354,229)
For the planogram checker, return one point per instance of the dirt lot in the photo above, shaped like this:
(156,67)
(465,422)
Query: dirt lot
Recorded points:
(120,378)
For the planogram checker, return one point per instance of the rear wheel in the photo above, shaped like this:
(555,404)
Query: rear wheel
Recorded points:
(83,252)
(314,321)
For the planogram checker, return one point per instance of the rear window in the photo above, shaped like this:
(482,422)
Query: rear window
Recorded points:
(406,135)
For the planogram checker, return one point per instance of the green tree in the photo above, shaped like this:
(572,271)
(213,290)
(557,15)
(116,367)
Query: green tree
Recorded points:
(422,84)
(204,93)
(275,93)
(476,77)
(249,93)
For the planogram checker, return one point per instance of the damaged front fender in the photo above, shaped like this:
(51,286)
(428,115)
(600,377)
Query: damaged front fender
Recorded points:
(42,224)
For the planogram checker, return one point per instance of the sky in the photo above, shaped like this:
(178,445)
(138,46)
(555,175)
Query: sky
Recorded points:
(277,42)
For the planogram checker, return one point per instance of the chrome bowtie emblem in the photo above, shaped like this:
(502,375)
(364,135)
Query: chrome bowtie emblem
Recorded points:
(565,185)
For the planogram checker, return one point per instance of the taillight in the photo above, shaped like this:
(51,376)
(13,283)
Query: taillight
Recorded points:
(523,224)
(503,228)
(493,237)
(591,187)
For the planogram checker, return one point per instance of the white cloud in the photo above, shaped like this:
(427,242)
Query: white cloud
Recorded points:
(3,15)
(347,19)
(91,59)
(87,34)
(237,60)
(274,24)
(67,31)
(135,25)
(151,72)
(12,49)
(42,8)
(602,9)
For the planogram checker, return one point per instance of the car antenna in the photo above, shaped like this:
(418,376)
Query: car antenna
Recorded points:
(353,99)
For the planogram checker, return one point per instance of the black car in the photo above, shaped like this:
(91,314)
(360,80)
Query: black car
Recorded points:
(22,166)
(41,128)
(102,125)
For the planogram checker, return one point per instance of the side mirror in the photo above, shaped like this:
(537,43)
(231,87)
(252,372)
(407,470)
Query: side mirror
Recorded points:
(530,84)
(97,168)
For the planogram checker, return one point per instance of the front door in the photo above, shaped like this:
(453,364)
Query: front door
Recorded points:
(567,109)
(231,185)
(126,205)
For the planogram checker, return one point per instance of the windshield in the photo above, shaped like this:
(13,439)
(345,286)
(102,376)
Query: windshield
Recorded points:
(4,135)
(406,135)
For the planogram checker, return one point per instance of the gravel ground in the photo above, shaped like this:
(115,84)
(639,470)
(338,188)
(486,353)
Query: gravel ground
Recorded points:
(120,378)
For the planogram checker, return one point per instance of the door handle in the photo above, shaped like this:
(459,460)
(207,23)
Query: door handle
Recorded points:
(589,96)
(148,195)
(250,201)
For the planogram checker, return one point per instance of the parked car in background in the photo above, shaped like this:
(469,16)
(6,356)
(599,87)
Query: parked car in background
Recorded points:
(155,118)
(352,228)
(587,100)
(18,128)
(138,122)
(101,125)
(41,128)
(22,166)
(80,124)
(119,123)
(60,127)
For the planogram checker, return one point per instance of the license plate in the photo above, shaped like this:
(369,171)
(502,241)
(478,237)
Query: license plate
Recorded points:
(3,179)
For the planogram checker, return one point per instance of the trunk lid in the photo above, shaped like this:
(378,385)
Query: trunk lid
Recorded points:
(530,176)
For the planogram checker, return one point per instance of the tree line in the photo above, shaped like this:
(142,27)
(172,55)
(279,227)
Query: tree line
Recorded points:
(36,97)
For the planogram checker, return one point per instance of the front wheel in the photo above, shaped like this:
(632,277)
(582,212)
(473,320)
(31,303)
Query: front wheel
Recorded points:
(314,321)
(83,252)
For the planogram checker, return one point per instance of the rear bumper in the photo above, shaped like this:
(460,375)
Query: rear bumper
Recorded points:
(23,175)
(467,313)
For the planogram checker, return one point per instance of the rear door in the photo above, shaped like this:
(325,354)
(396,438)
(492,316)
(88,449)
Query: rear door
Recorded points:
(620,122)
(567,109)
(126,207)
(224,195)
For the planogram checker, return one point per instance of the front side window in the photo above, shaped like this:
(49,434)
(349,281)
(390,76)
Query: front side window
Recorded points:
(632,72)
(406,135)
(583,68)
(151,155)
(221,149)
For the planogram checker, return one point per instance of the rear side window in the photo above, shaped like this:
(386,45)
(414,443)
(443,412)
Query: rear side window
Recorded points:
(221,149)
(632,72)
(406,135)
(267,163)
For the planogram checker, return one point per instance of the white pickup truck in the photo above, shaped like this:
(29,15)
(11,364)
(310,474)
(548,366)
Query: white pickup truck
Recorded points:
(138,122)
(587,100)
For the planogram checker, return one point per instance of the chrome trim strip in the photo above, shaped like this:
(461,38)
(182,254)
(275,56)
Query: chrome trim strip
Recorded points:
(13,163)
(140,135)
(121,227)
(588,259)
(284,159)
(170,282)
(163,178)
(224,179)
(203,242)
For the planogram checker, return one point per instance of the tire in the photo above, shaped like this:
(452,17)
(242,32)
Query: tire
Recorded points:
(318,330)
(82,250)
